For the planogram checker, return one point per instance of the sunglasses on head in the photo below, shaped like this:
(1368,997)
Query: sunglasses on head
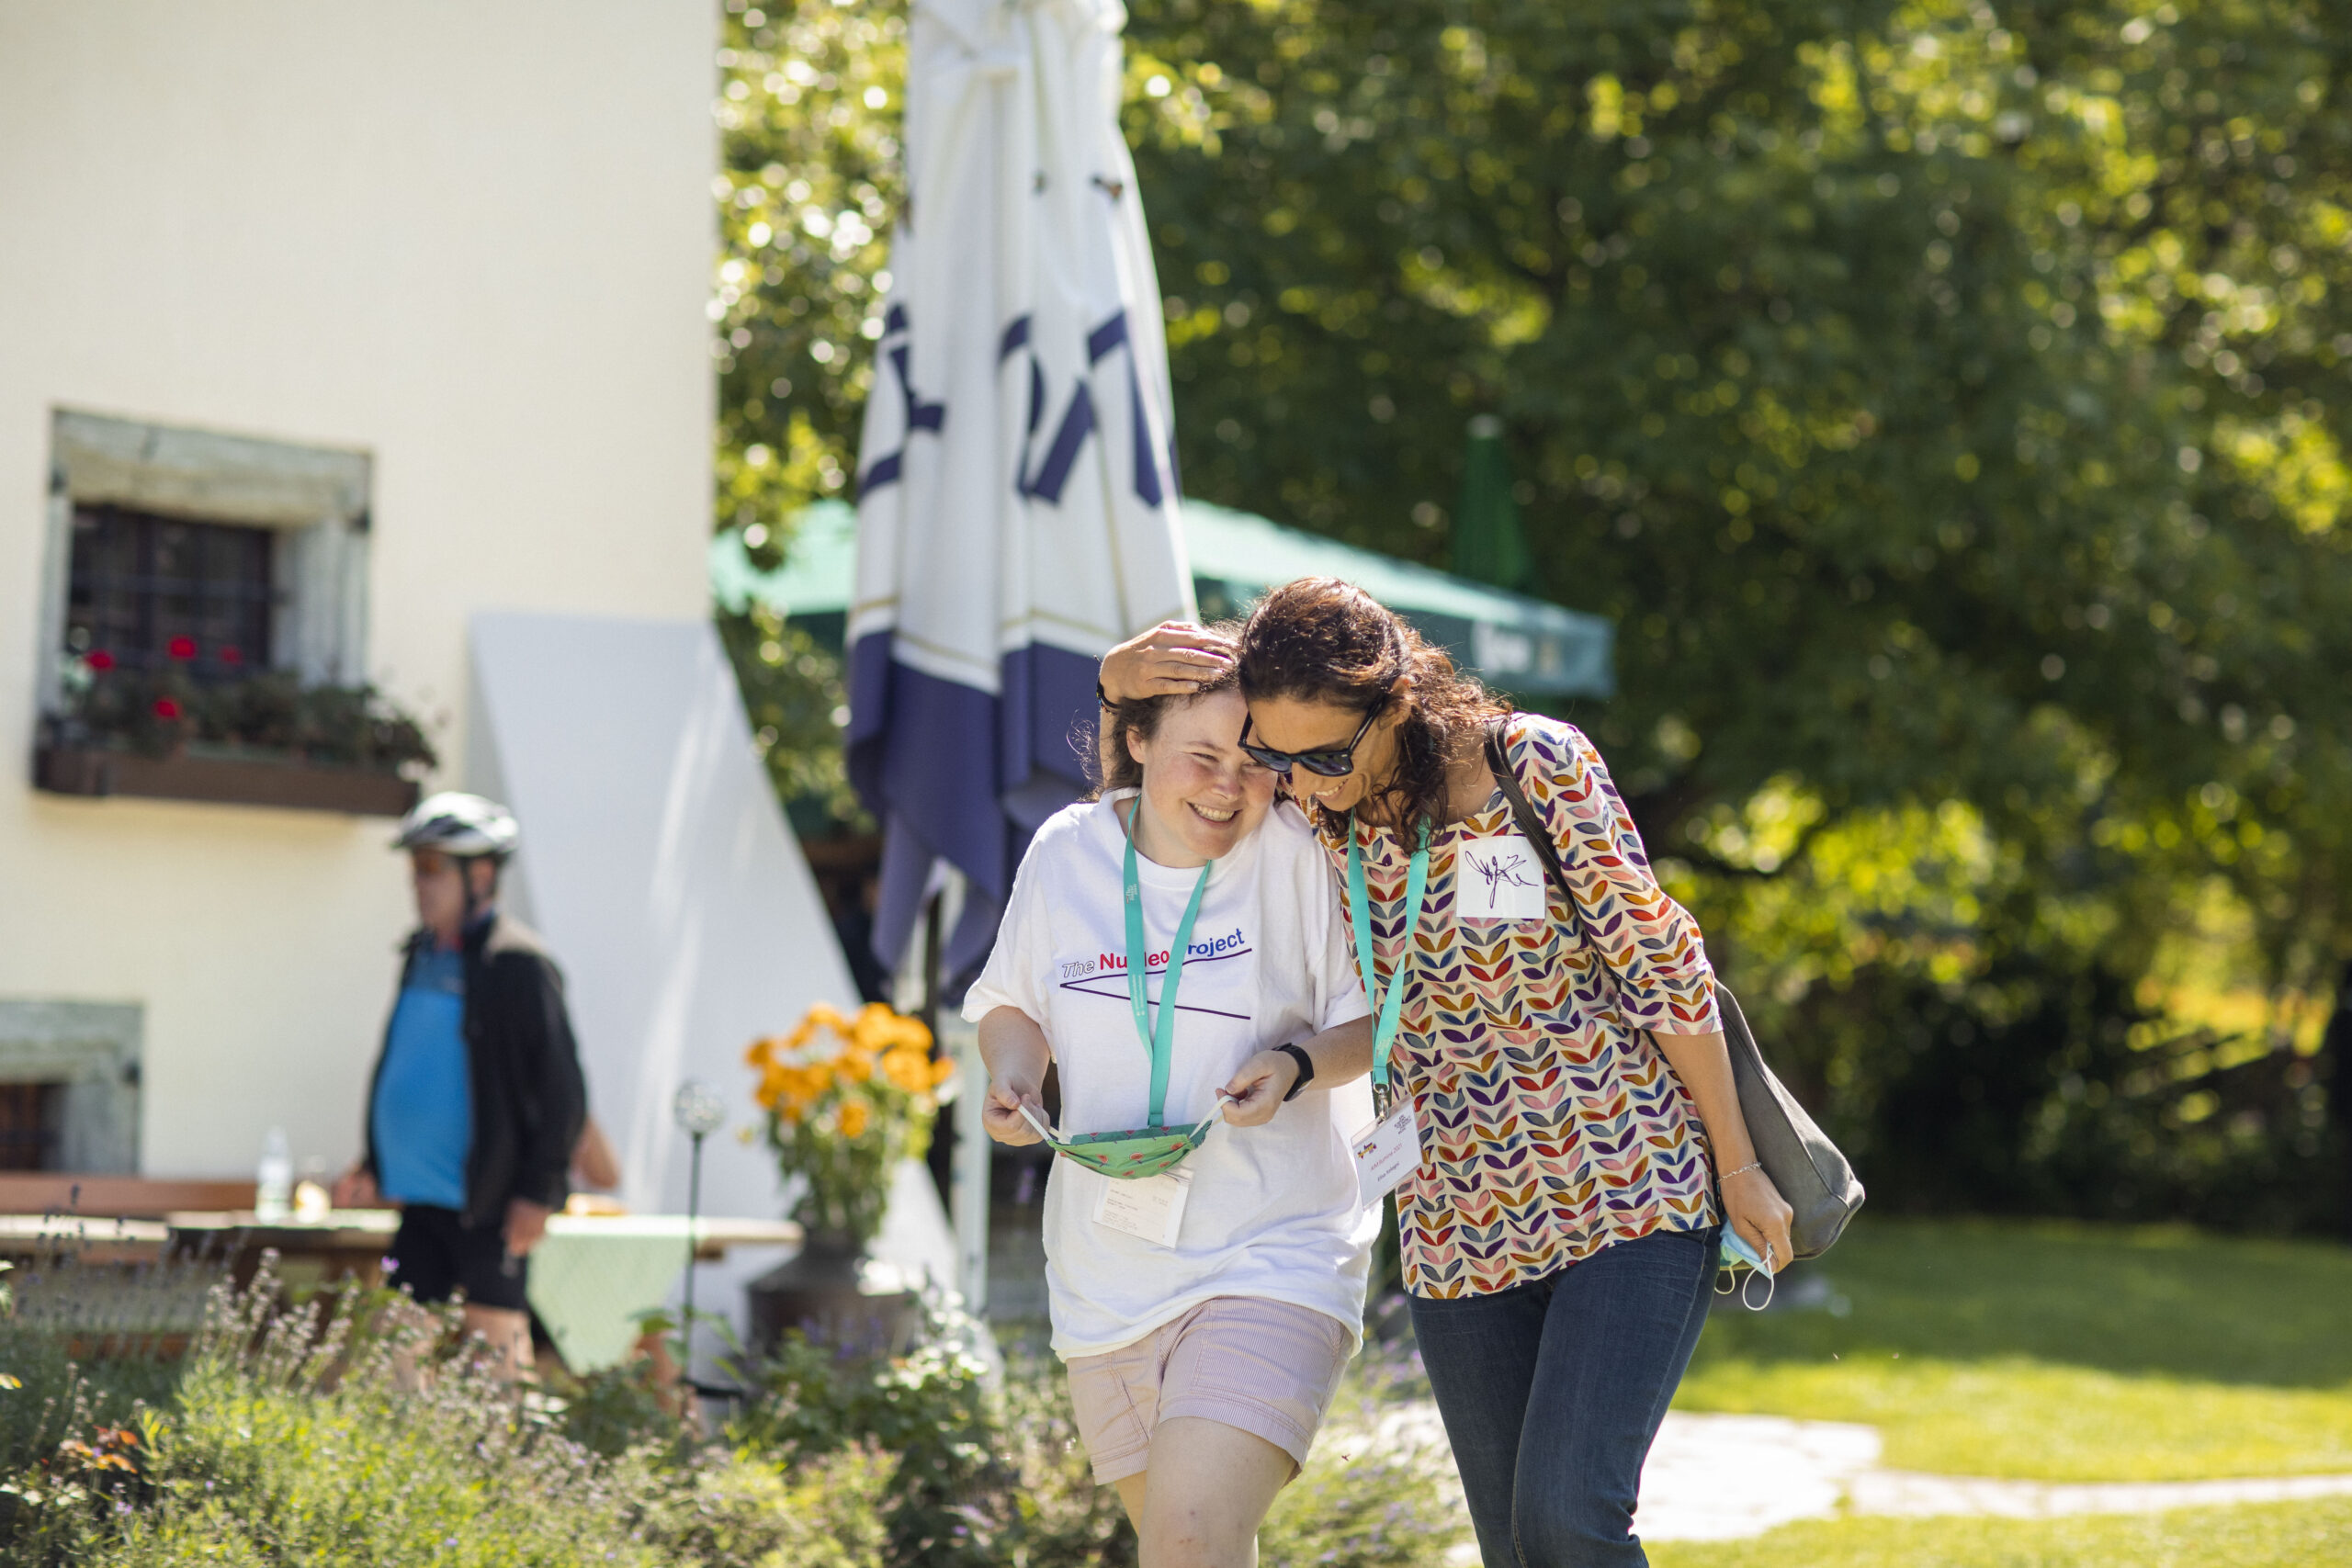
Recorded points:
(1330,761)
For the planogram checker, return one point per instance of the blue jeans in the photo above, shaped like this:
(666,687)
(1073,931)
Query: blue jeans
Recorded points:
(1553,1390)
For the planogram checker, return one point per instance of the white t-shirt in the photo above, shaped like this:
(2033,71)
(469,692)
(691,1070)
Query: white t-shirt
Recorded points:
(1273,1210)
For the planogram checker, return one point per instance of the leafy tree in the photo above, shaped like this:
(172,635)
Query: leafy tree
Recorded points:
(808,106)
(1936,395)
(1944,399)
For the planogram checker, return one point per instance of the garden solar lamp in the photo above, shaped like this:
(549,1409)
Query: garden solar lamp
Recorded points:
(699,1112)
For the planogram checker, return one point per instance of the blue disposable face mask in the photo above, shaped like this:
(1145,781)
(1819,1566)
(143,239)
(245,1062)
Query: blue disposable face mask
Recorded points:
(1737,1255)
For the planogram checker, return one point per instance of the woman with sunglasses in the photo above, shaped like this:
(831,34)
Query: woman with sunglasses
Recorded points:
(1174,947)
(1580,1135)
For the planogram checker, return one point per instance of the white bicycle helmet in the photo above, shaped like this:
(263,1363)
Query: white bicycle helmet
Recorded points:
(462,826)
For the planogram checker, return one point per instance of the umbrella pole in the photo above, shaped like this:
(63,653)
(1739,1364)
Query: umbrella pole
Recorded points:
(694,1208)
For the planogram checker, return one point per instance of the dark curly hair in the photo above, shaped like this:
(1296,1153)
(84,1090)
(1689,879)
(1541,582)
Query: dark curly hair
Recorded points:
(1115,766)
(1320,639)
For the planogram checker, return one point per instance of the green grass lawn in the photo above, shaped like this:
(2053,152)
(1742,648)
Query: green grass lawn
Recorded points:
(2061,1353)
(2284,1535)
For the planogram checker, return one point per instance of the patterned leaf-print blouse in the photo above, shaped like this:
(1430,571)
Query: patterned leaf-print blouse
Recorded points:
(1551,1126)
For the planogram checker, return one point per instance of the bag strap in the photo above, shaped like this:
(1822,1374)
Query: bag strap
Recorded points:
(1539,839)
(1531,827)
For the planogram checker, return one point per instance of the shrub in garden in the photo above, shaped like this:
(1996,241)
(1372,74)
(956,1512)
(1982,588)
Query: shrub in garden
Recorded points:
(1384,1510)
(997,1476)
(931,1408)
(734,1512)
(617,1408)
(1055,1516)
(283,1444)
(1372,1495)
(356,1433)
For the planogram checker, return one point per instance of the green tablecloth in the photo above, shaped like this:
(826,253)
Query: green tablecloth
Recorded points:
(593,1275)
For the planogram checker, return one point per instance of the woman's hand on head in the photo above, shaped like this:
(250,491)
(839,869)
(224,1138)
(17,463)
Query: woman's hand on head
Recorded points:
(1174,659)
(1754,1207)
(1255,1093)
(1001,1114)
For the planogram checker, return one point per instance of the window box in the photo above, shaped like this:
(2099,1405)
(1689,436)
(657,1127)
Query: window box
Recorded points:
(204,624)
(234,775)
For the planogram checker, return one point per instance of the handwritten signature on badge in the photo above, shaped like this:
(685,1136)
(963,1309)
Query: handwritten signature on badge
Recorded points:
(1500,872)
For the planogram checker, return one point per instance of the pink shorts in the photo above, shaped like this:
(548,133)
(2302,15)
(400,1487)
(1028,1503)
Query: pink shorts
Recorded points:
(1266,1366)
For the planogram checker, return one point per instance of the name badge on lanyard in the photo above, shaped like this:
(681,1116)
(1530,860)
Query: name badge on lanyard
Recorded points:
(1152,1208)
(1390,1148)
(1388,1152)
(1497,879)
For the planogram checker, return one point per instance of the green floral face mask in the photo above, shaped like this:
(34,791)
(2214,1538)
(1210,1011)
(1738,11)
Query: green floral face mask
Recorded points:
(1157,1148)
(1148,1151)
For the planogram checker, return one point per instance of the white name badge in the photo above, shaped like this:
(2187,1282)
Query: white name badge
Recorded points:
(1497,879)
(1151,1207)
(1387,1151)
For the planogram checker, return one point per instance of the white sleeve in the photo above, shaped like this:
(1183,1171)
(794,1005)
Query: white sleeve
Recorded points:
(1331,954)
(1009,978)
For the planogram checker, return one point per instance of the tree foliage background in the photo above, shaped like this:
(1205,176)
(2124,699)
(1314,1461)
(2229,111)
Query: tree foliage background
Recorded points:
(1947,402)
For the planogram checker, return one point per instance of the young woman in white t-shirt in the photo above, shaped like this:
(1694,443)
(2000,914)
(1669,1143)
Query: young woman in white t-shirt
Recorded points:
(1203,1355)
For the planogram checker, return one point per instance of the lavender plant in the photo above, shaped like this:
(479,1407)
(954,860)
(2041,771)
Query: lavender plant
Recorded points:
(356,1427)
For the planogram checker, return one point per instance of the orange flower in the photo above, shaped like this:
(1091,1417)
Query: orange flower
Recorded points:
(800,1079)
(942,1070)
(908,1070)
(878,1029)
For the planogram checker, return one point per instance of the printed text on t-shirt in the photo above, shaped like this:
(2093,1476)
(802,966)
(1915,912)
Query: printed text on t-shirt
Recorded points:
(1228,946)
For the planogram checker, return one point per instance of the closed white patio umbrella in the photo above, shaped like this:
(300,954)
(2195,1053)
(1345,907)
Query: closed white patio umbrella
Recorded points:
(1017,499)
(1016,482)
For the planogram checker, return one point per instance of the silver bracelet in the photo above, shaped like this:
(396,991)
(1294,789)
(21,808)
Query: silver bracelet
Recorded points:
(1743,1170)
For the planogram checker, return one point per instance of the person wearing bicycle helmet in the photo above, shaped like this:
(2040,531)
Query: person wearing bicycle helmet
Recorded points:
(476,1099)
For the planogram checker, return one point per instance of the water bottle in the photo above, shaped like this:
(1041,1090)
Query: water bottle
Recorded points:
(274,1180)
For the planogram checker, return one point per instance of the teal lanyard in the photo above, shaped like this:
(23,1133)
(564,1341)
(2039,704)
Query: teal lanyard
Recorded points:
(1383,1033)
(1160,1041)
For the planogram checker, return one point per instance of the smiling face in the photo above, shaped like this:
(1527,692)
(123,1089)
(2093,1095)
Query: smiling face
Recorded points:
(1201,795)
(1313,723)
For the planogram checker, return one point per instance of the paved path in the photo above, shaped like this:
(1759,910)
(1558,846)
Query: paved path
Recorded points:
(1727,1477)
(1724,1477)
(1900,1491)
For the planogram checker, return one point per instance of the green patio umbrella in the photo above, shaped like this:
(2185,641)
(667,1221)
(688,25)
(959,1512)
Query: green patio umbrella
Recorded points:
(1488,543)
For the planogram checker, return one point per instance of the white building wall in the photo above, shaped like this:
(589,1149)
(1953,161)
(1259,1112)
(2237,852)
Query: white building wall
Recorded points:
(471,237)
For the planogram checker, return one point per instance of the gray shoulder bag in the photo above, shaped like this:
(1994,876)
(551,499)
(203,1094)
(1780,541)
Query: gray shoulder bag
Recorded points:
(1803,1163)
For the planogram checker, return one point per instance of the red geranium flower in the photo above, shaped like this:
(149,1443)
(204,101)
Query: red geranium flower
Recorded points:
(167,709)
(100,660)
(181,648)
(230,654)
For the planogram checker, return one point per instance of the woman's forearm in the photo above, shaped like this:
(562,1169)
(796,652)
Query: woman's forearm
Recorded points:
(1753,1207)
(1014,1048)
(1342,1055)
(1253,1094)
(1704,1064)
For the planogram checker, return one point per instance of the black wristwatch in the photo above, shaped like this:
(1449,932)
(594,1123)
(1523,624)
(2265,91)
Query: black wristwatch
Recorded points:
(1305,1070)
(1102,696)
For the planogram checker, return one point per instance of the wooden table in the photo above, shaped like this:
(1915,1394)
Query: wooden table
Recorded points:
(340,1244)
(93,1238)
(592,1277)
